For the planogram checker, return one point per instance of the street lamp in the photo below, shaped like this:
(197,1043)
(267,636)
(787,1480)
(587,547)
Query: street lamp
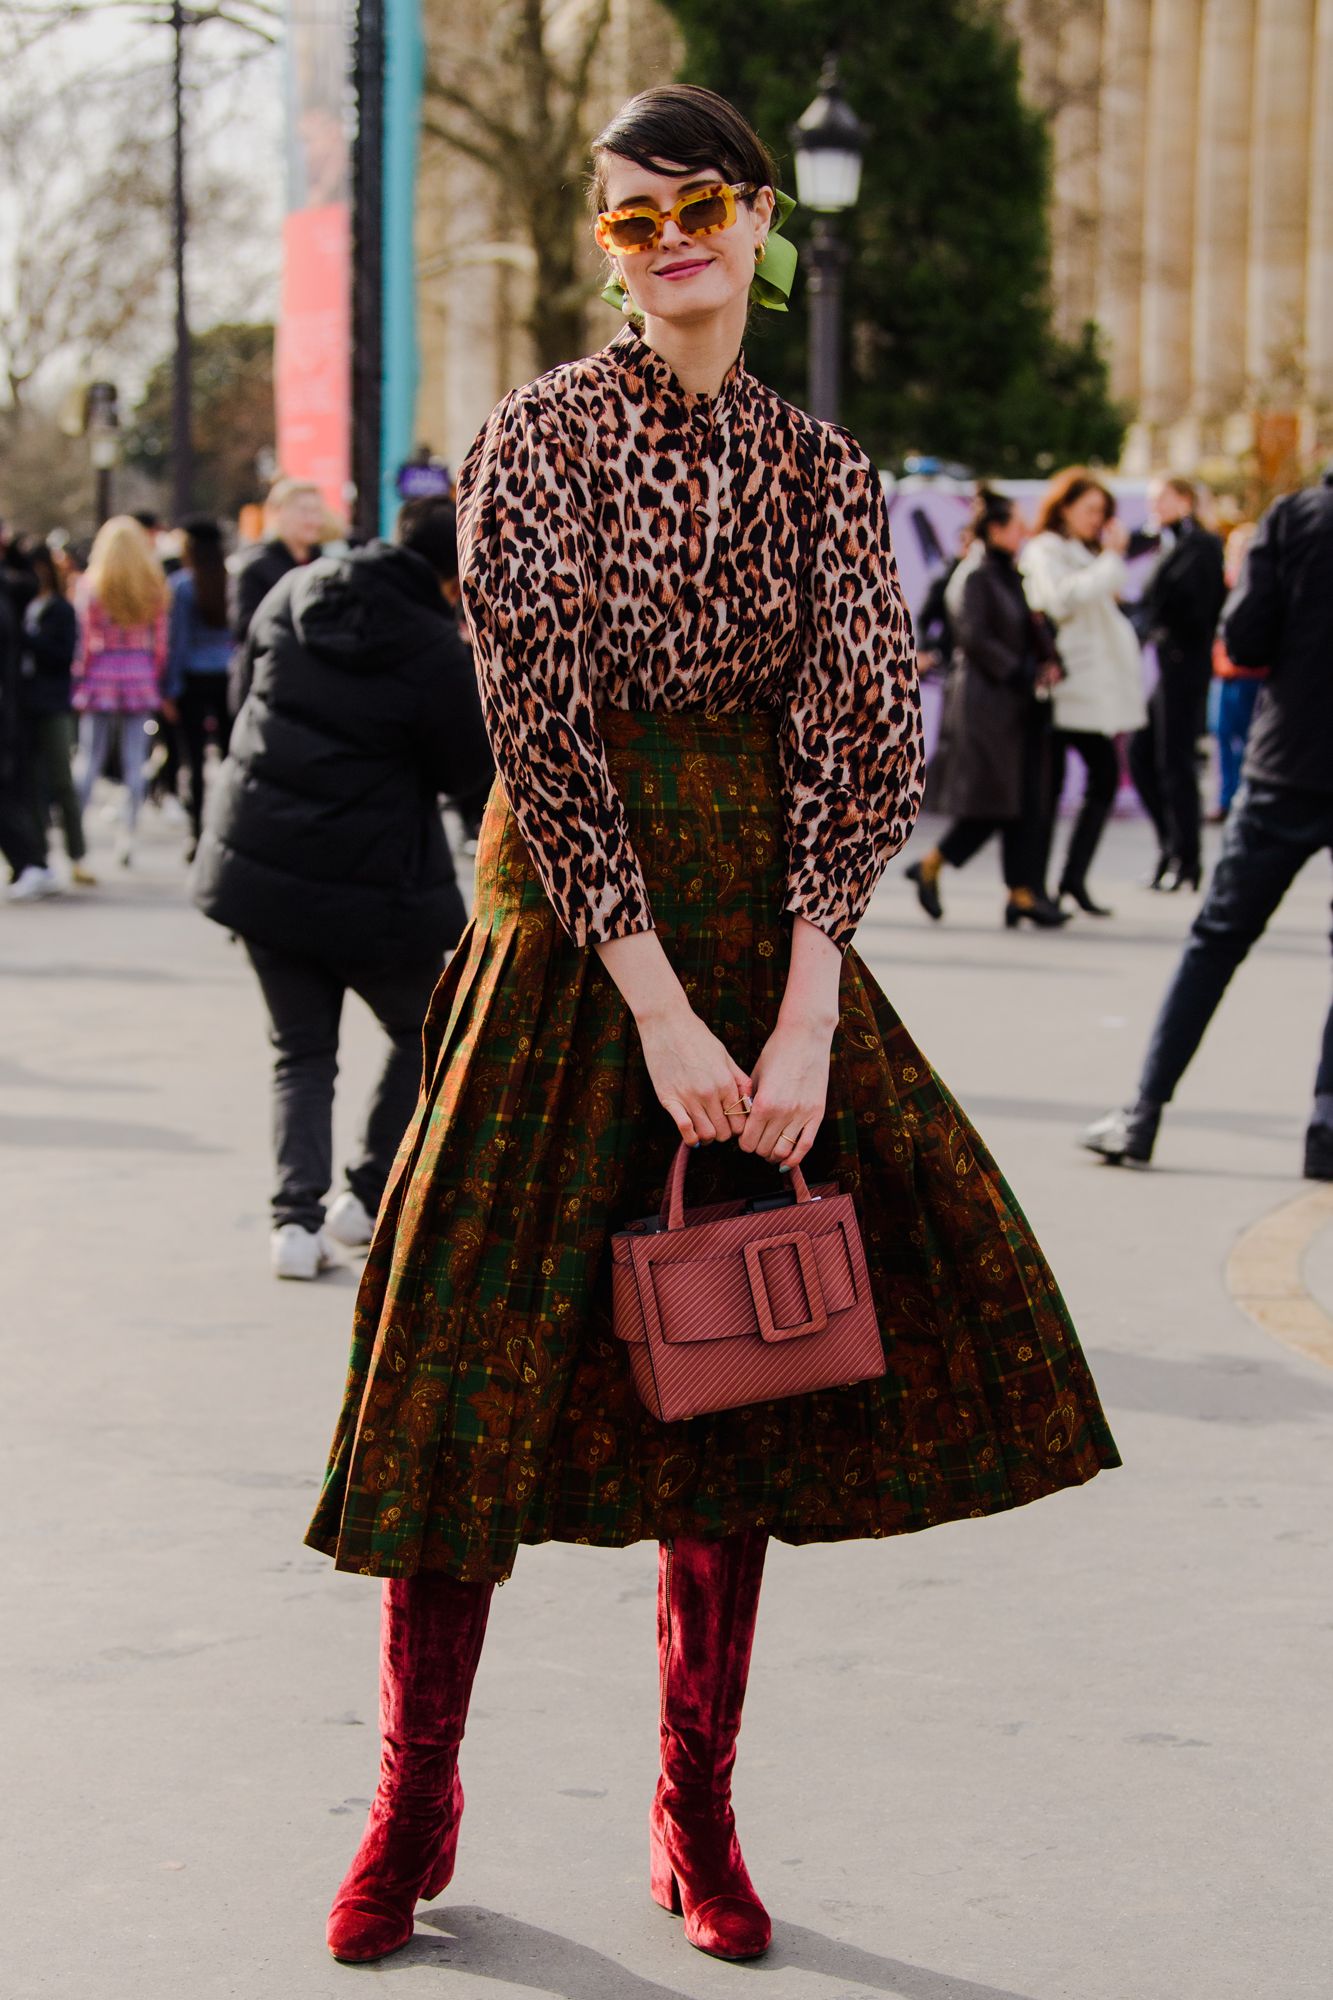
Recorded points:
(102,427)
(828,141)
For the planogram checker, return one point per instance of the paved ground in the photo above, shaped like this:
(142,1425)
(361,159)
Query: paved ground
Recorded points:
(1078,1753)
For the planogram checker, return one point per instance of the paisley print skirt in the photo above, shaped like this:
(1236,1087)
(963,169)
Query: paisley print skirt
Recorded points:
(488,1403)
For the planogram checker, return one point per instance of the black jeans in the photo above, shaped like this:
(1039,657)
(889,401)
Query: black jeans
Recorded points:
(203,700)
(1022,840)
(1163,764)
(304,998)
(1102,766)
(1271,834)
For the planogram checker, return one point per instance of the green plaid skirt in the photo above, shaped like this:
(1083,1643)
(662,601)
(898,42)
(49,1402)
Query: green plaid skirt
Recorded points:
(489,1404)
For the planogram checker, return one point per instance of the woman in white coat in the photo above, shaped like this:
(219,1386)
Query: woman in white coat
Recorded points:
(1074,571)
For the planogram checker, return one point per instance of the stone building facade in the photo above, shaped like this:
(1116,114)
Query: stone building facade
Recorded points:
(1192,217)
(1193,212)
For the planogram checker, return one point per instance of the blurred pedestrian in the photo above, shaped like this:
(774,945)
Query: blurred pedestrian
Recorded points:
(1074,570)
(50,636)
(324,850)
(119,663)
(1179,611)
(199,650)
(1279,616)
(994,759)
(699,682)
(293,519)
(30,877)
(1235,688)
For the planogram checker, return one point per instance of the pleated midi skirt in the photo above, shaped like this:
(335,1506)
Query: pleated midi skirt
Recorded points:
(488,1403)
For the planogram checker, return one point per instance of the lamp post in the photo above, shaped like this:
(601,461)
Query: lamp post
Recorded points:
(102,427)
(828,140)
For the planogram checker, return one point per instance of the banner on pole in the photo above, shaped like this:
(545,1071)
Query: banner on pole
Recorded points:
(313,361)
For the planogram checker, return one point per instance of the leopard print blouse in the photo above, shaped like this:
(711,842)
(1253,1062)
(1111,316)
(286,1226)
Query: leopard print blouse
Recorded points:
(624,542)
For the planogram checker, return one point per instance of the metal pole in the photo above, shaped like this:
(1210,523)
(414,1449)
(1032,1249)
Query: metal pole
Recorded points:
(182,455)
(828,255)
(368,266)
(102,499)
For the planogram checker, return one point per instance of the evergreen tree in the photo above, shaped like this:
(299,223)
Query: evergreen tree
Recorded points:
(231,384)
(950,346)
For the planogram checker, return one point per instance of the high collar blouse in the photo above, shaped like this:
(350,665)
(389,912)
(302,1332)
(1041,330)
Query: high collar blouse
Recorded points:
(626,543)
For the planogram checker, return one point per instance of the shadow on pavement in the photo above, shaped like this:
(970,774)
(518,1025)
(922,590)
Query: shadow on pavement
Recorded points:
(489,1946)
(99,1135)
(1210,1388)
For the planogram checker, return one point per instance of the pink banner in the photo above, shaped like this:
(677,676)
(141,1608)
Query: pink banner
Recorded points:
(313,374)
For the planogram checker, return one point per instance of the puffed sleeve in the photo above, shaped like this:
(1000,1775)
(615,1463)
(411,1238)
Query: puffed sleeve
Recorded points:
(852,754)
(528,581)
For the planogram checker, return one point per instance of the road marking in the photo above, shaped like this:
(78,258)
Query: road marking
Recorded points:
(1266,1275)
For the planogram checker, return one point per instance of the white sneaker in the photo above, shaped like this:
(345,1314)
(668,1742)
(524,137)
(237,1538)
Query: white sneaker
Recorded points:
(32,885)
(350,1222)
(298,1252)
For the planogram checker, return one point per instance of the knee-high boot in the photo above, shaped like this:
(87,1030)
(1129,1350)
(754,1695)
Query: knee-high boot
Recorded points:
(707,1599)
(430,1642)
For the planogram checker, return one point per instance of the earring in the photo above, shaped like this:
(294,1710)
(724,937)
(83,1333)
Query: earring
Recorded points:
(761,253)
(627,305)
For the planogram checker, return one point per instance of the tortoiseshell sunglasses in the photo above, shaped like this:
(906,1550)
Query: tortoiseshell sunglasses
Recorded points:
(622,232)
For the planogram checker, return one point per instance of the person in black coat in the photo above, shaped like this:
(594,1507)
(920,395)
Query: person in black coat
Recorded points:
(294,511)
(993,764)
(1178,615)
(18,840)
(50,636)
(1280,615)
(323,847)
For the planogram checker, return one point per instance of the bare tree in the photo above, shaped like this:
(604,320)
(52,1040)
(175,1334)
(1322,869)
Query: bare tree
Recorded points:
(518,107)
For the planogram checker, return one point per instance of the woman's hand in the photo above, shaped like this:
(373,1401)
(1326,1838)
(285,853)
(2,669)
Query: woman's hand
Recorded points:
(1115,536)
(791,1075)
(790,1093)
(694,1077)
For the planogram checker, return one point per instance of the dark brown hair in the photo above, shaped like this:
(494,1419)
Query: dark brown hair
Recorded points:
(204,559)
(1067,487)
(675,128)
(989,510)
(48,574)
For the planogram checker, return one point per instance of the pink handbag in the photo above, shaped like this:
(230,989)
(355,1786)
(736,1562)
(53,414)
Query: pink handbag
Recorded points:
(745,1301)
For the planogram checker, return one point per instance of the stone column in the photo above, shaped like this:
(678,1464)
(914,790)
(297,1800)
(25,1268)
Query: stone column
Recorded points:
(1279,195)
(1075,179)
(1319,265)
(1222,207)
(1168,230)
(1120,188)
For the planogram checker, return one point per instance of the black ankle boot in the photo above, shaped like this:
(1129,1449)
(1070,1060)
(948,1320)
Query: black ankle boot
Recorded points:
(1125,1135)
(1077,892)
(1319,1153)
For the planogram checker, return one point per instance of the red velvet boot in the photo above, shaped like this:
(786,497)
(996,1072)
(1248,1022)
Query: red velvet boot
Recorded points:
(707,1598)
(430,1643)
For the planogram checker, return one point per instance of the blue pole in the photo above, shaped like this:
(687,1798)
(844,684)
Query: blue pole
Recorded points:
(404,63)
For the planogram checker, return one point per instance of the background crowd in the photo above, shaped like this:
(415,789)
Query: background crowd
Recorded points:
(333,688)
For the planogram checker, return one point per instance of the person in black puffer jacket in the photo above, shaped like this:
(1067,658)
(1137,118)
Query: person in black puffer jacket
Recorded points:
(323,848)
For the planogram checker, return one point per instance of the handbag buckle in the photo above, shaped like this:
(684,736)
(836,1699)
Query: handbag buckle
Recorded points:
(798,1241)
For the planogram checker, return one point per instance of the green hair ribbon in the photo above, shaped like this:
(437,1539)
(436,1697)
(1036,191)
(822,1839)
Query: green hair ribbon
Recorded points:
(773,279)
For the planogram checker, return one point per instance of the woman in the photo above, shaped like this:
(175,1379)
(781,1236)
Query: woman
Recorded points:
(50,635)
(198,656)
(122,651)
(697,674)
(994,755)
(1177,615)
(1074,571)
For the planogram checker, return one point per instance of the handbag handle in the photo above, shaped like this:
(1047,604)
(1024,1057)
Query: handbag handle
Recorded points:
(673,1200)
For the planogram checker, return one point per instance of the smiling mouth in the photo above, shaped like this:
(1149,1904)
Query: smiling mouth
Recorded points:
(684,269)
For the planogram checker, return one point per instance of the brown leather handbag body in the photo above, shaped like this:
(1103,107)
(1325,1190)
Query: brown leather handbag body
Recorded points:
(744,1301)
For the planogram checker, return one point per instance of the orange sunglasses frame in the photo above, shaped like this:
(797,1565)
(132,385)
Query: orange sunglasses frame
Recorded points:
(661,216)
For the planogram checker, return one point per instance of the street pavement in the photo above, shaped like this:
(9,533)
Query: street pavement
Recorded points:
(1077,1752)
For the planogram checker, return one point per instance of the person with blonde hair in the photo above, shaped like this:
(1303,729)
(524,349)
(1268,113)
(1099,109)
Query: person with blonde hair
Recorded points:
(118,666)
(294,517)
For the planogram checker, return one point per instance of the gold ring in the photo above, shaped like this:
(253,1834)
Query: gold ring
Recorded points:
(742,1104)
(788,1138)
